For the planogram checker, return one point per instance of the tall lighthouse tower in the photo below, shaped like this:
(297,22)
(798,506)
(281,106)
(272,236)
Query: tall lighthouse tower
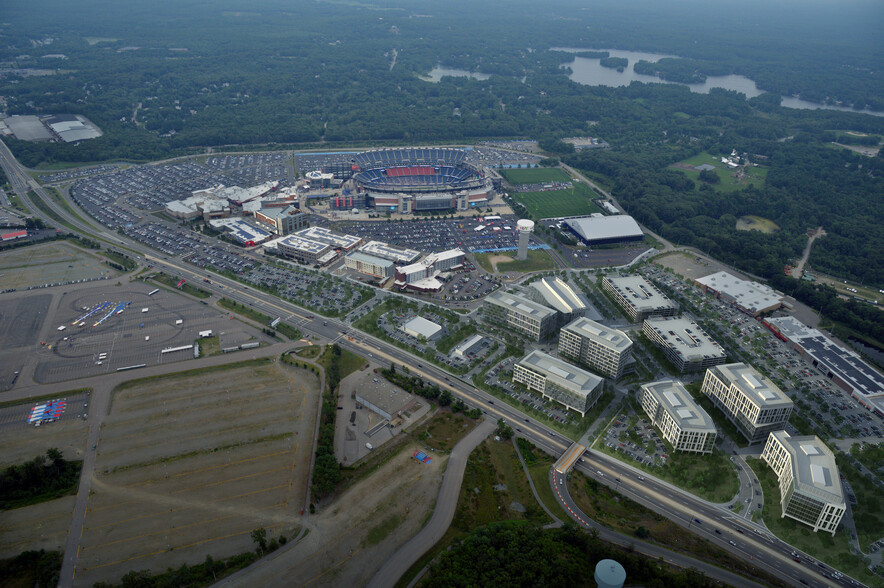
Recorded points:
(525,227)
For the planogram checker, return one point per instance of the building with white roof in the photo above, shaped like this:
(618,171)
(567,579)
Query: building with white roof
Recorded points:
(748,399)
(302,250)
(750,297)
(685,344)
(282,220)
(680,420)
(524,315)
(469,346)
(638,297)
(203,203)
(241,231)
(810,486)
(558,380)
(600,230)
(601,348)
(422,275)
(843,366)
(237,195)
(420,327)
(557,294)
(330,238)
(400,255)
(369,264)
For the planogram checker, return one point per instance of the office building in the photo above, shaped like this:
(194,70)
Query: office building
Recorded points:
(685,344)
(748,399)
(810,486)
(681,421)
(601,348)
(638,297)
(282,220)
(558,380)
(557,294)
(369,264)
(528,317)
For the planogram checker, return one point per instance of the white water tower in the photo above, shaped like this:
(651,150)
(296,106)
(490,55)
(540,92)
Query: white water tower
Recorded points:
(525,227)
(609,574)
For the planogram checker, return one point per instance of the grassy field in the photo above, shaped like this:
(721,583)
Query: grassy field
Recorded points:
(188,466)
(187,287)
(538,260)
(755,176)
(834,551)
(444,430)
(350,362)
(536,175)
(558,203)
(756,223)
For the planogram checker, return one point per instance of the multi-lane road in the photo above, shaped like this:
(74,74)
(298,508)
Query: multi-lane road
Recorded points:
(749,541)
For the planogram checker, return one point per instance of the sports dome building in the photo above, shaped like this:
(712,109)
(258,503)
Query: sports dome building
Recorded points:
(420,179)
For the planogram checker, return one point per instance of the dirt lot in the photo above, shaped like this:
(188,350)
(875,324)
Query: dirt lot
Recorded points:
(693,267)
(56,262)
(190,465)
(41,526)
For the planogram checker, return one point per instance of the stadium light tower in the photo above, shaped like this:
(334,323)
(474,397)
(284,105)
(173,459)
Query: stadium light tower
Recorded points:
(525,227)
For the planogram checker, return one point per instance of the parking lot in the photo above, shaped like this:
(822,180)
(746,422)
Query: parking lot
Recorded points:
(501,377)
(132,337)
(308,288)
(636,438)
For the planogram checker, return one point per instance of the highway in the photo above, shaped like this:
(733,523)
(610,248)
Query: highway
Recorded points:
(759,548)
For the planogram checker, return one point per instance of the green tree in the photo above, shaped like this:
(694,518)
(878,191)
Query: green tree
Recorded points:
(259,536)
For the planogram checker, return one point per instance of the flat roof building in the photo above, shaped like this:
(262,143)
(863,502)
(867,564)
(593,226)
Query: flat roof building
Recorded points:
(399,255)
(422,275)
(528,317)
(282,220)
(810,486)
(601,348)
(752,298)
(843,366)
(469,346)
(638,297)
(241,231)
(748,399)
(558,380)
(420,327)
(685,344)
(681,421)
(329,237)
(302,250)
(601,230)
(369,264)
(557,294)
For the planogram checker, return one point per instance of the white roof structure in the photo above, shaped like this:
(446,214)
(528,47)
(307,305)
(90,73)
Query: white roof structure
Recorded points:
(599,333)
(294,241)
(639,293)
(329,237)
(814,470)
(562,373)
(383,250)
(559,295)
(677,401)
(241,230)
(467,346)
(752,297)
(754,385)
(202,201)
(520,304)
(605,228)
(685,337)
(372,259)
(28,128)
(239,195)
(419,326)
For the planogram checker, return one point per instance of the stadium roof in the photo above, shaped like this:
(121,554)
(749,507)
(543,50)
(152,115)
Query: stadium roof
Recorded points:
(685,337)
(750,296)
(865,381)
(677,401)
(559,295)
(519,304)
(561,373)
(606,336)
(603,228)
(753,384)
(814,470)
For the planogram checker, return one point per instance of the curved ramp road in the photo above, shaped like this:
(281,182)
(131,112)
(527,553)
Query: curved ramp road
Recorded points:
(409,553)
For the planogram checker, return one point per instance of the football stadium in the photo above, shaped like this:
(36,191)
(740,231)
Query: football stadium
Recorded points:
(420,179)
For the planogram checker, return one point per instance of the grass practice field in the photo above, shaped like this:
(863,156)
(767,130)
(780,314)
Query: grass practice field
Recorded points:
(537,175)
(538,260)
(558,203)
(50,263)
(731,180)
(756,223)
(190,465)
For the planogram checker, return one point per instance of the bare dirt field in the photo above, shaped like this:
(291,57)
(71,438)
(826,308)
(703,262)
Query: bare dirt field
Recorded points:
(56,262)
(189,465)
(693,267)
(40,526)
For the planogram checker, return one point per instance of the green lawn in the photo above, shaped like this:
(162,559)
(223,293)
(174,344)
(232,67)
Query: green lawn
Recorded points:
(755,176)
(538,260)
(537,175)
(558,203)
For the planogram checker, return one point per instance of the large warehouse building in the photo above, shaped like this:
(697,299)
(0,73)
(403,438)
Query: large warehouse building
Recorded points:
(603,230)
(752,298)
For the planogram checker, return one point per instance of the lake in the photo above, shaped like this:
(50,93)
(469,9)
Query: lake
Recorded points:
(590,72)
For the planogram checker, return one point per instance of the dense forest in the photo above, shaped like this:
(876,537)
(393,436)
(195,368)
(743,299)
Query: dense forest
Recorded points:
(43,478)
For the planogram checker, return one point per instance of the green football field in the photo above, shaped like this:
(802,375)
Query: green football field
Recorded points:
(537,175)
(558,203)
